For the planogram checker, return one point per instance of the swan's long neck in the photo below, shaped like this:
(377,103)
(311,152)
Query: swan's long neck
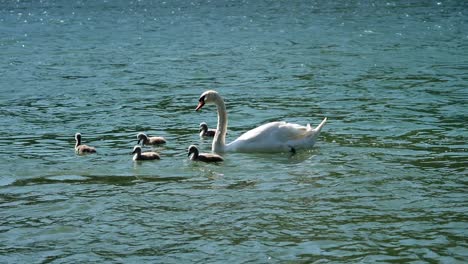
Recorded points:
(220,137)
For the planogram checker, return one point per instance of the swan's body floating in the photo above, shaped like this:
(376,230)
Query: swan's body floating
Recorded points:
(82,149)
(145,155)
(205,132)
(194,154)
(270,137)
(145,140)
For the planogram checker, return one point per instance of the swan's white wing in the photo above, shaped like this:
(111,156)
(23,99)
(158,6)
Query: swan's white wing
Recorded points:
(288,132)
(272,136)
(260,132)
(277,131)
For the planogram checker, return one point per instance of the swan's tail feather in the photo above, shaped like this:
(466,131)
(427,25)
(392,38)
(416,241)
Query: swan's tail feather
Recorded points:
(315,131)
(320,126)
(311,136)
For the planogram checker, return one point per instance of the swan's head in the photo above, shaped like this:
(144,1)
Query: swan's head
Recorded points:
(141,136)
(136,149)
(203,127)
(78,137)
(207,97)
(193,150)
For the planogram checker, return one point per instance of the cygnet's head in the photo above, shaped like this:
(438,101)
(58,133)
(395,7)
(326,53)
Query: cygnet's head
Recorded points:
(203,127)
(78,136)
(193,150)
(141,136)
(136,149)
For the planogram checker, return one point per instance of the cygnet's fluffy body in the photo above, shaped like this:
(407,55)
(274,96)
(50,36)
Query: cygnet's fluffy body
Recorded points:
(205,131)
(82,149)
(195,155)
(146,140)
(144,155)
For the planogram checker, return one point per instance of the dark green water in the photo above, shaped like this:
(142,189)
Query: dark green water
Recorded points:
(386,181)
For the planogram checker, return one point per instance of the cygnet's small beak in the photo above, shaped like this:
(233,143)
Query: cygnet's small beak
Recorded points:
(138,141)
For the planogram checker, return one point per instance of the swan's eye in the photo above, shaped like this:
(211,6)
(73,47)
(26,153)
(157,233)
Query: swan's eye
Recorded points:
(202,99)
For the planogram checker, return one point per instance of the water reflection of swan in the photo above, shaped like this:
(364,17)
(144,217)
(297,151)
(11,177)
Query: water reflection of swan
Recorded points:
(270,137)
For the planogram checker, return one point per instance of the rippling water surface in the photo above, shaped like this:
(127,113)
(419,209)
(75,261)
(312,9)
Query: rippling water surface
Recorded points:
(386,181)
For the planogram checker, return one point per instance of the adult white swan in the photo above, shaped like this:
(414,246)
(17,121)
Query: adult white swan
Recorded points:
(270,137)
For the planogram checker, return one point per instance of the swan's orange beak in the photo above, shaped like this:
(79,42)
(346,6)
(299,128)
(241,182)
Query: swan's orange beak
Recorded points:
(200,105)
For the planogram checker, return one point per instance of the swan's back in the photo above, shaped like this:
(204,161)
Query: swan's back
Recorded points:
(276,136)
